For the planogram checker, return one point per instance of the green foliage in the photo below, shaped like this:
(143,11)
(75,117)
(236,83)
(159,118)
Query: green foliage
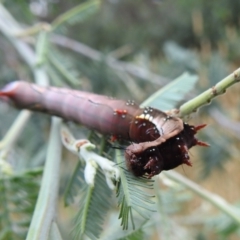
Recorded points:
(76,180)
(95,201)
(77,13)
(22,12)
(62,69)
(42,47)
(136,235)
(224,225)
(132,194)
(172,94)
(17,201)
(165,38)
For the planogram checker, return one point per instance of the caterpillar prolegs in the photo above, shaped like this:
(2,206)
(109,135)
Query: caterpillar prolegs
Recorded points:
(160,141)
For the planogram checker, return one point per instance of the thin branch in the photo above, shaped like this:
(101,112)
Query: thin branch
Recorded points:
(33,30)
(45,211)
(110,61)
(9,26)
(206,97)
(54,232)
(61,69)
(214,199)
(15,130)
(11,30)
(67,15)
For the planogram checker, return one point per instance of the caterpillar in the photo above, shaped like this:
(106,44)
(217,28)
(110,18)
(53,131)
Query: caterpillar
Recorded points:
(159,140)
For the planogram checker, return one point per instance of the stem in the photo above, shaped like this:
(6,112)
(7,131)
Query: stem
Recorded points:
(61,69)
(44,212)
(113,63)
(9,26)
(15,130)
(214,199)
(54,232)
(207,96)
(86,209)
(41,48)
(33,30)
(66,16)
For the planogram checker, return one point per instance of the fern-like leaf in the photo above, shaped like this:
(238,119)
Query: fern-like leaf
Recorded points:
(132,194)
(17,201)
(94,204)
(74,183)
(170,95)
(94,200)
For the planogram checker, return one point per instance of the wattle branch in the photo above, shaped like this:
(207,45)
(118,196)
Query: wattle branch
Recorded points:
(206,97)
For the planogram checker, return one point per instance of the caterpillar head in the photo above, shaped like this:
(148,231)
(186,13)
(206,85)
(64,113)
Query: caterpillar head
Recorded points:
(165,155)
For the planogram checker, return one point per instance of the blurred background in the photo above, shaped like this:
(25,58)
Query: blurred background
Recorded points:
(129,49)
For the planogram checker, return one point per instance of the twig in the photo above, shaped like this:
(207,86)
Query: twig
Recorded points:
(9,26)
(214,199)
(45,211)
(110,61)
(67,15)
(15,130)
(206,97)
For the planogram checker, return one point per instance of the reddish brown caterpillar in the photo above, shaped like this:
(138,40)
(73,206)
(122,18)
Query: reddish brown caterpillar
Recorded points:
(161,142)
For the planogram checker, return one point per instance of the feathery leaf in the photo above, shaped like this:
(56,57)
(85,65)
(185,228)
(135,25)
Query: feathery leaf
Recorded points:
(169,96)
(132,194)
(74,183)
(17,201)
(94,204)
